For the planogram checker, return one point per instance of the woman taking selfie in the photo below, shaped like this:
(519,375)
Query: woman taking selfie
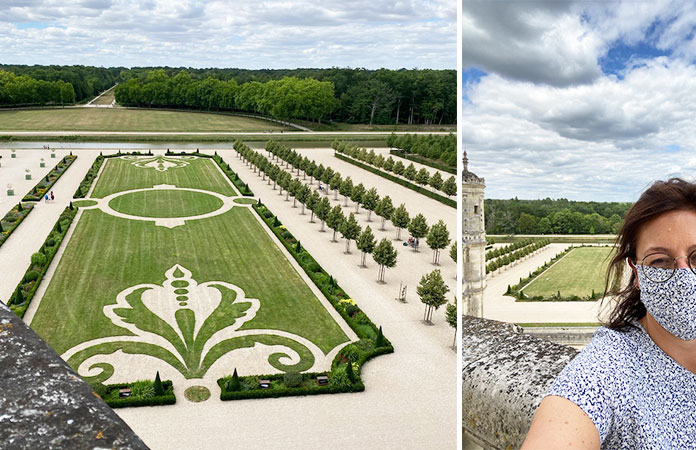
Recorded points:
(634,385)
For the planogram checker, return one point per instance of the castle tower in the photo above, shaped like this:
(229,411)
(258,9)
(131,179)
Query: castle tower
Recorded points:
(473,242)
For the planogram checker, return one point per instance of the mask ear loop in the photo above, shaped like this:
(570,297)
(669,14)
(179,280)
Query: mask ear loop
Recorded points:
(634,269)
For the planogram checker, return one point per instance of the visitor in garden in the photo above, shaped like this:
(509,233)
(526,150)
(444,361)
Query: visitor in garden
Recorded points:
(46,199)
(634,385)
(52,196)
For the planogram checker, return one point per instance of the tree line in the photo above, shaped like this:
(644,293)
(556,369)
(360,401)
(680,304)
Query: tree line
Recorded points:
(287,98)
(442,148)
(549,216)
(26,91)
(417,96)
(87,81)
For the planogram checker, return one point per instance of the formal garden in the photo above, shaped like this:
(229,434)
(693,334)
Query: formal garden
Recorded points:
(170,263)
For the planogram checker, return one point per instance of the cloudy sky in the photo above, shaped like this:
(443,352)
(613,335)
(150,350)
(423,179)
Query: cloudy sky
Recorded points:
(584,100)
(231,33)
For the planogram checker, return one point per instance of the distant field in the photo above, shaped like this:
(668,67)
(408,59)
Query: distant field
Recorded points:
(118,119)
(578,273)
(557,238)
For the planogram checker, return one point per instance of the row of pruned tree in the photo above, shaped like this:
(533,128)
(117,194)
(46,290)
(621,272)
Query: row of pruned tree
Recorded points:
(26,91)
(441,148)
(510,257)
(423,177)
(287,98)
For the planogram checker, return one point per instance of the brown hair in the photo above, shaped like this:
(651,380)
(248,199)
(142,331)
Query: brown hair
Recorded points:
(661,197)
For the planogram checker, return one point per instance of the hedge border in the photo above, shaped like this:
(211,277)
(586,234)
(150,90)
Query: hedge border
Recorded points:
(334,293)
(414,187)
(422,160)
(7,232)
(68,160)
(167,399)
(93,171)
(70,212)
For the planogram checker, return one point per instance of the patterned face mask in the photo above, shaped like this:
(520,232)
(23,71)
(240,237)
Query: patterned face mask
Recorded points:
(673,302)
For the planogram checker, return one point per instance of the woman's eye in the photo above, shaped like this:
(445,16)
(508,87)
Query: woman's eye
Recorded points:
(661,262)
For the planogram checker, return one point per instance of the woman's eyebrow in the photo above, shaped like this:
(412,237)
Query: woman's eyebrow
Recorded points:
(651,250)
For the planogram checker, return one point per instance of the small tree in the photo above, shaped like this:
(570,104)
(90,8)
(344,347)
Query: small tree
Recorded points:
(410,172)
(399,168)
(452,319)
(366,243)
(159,389)
(423,177)
(357,196)
(439,238)
(453,252)
(293,188)
(233,385)
(334,220)
(379,341)
(370,201)
(312,202)
(432,290)
(322,210)
(384,255)
(59,229)
(303,194)
(449,187)
(346,189)
(418,228)
(400,219)
(389,164)
(435,181)
(335,183)
(384,209)
(350,230)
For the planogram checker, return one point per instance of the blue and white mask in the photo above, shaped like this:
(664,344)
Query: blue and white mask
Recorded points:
(673,302)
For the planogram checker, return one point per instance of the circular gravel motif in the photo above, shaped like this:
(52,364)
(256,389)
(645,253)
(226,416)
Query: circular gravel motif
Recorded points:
(197,394)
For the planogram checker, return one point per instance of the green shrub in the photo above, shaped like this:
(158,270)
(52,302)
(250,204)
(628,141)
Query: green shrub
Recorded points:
(267,214)
(50,242)
(351,309)
(38,259)
(158,388)
(339,379)
(292,379)
(143,389)
(32,275)
(233,384)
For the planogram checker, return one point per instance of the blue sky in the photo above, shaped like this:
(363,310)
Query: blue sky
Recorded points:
(582,100)
(222,33)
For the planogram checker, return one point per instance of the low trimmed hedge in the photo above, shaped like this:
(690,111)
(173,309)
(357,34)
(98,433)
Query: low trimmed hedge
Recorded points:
(25,290)
(356,353)
(12,219)
(117,402)
(47,182)
(415,157)
(401,181)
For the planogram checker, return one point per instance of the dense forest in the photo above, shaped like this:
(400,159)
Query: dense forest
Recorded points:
(553,216)
(360,96)
(438,148)
(87,81)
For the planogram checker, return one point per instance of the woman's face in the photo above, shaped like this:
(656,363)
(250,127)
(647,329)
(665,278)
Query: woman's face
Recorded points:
(673,233)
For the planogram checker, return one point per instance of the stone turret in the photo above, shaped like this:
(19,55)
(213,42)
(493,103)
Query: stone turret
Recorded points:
(473,242)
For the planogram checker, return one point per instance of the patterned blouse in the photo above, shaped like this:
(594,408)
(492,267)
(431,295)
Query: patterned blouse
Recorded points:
(636,395)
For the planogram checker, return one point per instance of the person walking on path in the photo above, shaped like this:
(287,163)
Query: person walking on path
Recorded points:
(52,196)
(46,198)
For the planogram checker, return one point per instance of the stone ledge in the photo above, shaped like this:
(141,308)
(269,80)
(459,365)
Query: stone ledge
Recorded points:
(505,374)
(44,404)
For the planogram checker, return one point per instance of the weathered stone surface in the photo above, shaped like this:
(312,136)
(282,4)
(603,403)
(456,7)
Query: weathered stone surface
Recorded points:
(44,404)
(505,375)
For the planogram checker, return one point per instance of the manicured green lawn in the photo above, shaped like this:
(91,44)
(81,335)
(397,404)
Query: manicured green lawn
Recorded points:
(578,273)
(121,119)
(165,203)
(121,175)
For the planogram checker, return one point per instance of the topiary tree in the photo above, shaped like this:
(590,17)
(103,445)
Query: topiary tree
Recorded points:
(384,255)
(418,228)
(400,219)
(435,181)
(59,229)
(298,247)
(439,238)
(312,202)
(432,290)
(159,388)
(322,210)
(389,164)
(302,195)
(453,252)
(233,385)
(449,187)
(357,196)
(293,188)
(335,183)
(334,220)
(399,168)
(410,172)
(423,177)
(370,201)
(380,341)
(350,229)
(384,209)
(346,189)
(366,243)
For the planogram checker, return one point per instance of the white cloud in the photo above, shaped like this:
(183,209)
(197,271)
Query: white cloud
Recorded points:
(276,34)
